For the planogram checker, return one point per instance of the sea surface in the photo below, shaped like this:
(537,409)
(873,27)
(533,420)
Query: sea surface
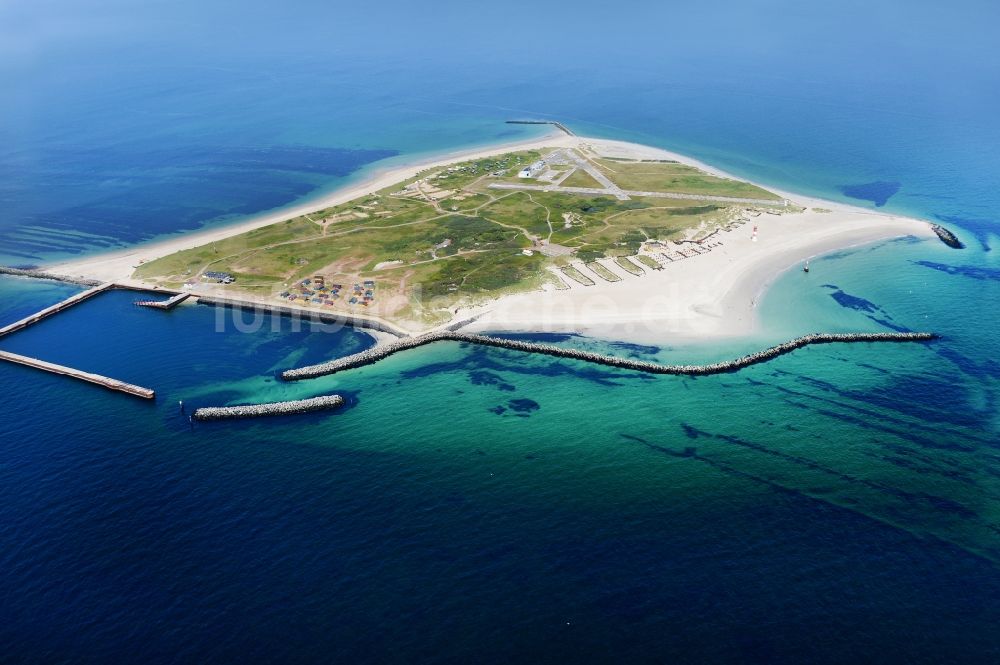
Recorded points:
(838,504)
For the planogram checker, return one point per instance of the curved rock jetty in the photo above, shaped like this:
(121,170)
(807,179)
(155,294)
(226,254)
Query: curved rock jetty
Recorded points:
(377,353)
(270,409)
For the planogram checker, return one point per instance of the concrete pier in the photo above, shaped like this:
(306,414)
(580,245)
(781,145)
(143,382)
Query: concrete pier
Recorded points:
(379,352)
(165,305)
(54,309)
(111,384)
(320,403)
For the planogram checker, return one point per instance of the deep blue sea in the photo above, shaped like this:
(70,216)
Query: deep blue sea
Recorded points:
(839,504)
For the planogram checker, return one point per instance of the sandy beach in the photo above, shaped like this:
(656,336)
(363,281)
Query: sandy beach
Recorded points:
(706,296)
(118,265)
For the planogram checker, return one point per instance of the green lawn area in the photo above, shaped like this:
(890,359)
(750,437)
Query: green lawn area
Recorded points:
(519,209)
(581,178)
(677,178)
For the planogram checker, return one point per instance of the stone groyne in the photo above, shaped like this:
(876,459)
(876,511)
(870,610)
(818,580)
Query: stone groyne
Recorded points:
(554,123)
(271,409)
(377,353)
(40,274)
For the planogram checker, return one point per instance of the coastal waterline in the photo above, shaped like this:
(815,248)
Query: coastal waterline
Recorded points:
(839,500)
(477,471)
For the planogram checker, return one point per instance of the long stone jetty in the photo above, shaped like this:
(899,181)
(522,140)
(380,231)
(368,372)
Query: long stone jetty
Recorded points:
(112,384)
(270,409)
(41,274)
(377,353)
(54,309)
(554,123)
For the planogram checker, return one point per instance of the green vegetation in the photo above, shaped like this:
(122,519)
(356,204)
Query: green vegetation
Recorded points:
(627,264)
(603,272)
(577,276)
(648,176)
(580,178)
(648,261)
(445,237)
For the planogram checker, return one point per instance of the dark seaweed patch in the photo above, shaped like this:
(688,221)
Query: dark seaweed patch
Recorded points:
(878,192)
(480,358)
(859,304)
(975,272)
(692,432)
(484,378)
(852,302)
(523,405)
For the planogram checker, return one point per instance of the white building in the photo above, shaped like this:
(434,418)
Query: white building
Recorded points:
(533,170)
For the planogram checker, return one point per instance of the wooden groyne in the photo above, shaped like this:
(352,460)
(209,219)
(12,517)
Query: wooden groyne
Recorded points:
(41,274)
(74,299)
(379,352)
(554,123)
(112,384)
(321,403)
(166,305)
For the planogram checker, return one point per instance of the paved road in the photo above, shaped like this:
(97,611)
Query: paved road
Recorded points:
(598,175)
(624,195)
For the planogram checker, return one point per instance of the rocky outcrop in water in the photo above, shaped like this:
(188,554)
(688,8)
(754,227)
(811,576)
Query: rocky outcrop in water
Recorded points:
(377,353)
(271,409)
(947,237)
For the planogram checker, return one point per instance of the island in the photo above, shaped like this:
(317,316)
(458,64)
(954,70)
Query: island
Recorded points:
(563,234)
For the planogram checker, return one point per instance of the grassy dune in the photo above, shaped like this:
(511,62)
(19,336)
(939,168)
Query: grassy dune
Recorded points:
(446,235)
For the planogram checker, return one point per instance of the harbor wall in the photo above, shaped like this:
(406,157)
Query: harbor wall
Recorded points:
(379,352)
(270,409)
(74,299)
(321,317)
(112,384)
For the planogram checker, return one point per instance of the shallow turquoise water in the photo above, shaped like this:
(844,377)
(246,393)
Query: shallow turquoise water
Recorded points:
(838,504)
(488,504)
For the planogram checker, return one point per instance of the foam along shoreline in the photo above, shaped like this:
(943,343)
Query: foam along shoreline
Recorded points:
(378,353)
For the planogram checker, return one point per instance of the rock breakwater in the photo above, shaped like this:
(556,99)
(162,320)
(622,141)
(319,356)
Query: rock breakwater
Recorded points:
(270,409)
(377,353)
